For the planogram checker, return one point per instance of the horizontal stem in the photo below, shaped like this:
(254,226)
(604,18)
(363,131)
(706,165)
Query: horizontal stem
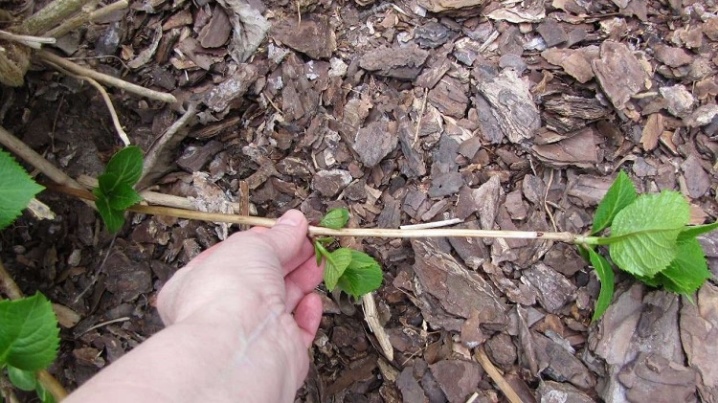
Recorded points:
(362,232)
(353,232)
(34,42)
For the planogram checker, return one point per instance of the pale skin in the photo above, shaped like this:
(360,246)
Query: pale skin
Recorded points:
(239,320)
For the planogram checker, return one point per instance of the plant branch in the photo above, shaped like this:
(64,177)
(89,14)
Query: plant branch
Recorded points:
(45,378)
(356,232)
(105,79)
(51,15)
(34,42)
(158,148)
(33,158)
(84,17)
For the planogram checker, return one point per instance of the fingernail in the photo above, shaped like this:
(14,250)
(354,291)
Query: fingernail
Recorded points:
(291,218)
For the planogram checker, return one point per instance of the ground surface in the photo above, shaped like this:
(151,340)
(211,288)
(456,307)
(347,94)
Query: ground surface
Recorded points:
(506,116)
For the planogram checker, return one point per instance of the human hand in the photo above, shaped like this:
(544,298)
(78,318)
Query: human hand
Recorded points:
(239,317)
(258,286)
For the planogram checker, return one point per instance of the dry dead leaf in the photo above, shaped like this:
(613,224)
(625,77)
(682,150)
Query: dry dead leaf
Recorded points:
(652,131)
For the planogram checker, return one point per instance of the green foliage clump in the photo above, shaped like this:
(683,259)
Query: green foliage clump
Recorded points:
(354,272)
(29,338)
(18,188)
(649,238)
(116,192)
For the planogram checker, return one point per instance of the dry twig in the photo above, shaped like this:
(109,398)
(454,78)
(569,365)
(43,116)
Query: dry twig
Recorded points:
(105,79)
(34,42)
(84,17)
(496,376)
(108,102)
(51,15)
(371,316)
(33,158)
(158,147)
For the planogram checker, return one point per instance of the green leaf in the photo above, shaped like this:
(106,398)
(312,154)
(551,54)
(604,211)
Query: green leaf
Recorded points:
(23,380)
(605,275)
(44,395)
(18,188)
(695,230)
(29,335)
(114,219)
(124,197)
(335,266)
(362,276)
(688,271)
(107,183)
(335,218)
(619,195)
(126,165)
(643,235)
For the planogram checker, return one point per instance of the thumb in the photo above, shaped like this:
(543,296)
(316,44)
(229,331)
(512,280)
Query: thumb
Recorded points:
(288,238)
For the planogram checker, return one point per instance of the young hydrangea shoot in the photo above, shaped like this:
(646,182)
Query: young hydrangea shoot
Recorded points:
(649,238)
(18,188)
(116,192)
(354,272)
(29,338)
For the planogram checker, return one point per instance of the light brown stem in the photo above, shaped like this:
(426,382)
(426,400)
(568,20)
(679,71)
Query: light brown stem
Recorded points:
(34,42)
(159,199)
(105,79)
(108,102)
(29,155)
(45,378)
(51,385)
(9,286)
(496,376)
(51,15)
(83,18)
(355,232)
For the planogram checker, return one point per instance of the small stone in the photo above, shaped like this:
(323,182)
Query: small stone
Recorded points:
(515,205)
(195,157)
(432,35)
(314,37)
(673,57)
(617,57)
(554,290)
(501,350)
(703,115)
(573,61)
(446,184)
(698,182)
(376,141)
(398,62)
(555,392)
(450,97)
(678,99)
(458,379)
(560,364)
(330,182)
(552,32)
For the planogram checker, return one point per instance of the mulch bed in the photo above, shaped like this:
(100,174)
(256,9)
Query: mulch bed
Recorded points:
(511,116)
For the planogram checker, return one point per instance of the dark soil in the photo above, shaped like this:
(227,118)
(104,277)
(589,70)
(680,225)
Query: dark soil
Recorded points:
(505,118)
